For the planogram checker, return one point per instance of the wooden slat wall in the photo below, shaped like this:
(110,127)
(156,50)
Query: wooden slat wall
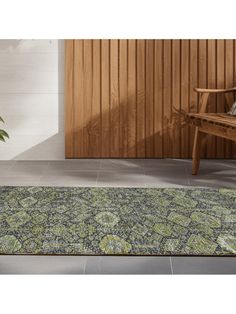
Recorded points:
(124,98)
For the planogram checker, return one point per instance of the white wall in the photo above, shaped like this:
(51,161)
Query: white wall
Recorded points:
(32,99)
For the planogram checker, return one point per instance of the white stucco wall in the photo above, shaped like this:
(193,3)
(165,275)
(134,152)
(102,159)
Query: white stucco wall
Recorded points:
(32,99)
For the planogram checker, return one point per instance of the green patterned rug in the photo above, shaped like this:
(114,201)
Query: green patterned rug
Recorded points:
(117,221)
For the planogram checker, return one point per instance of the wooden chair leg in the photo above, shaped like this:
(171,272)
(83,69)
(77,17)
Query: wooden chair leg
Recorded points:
(196,151)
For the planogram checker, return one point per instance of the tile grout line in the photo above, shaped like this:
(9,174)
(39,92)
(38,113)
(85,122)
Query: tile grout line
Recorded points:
(84,268)
(98,173)
(187,176)
(100,265)
(98,176)
(171,266)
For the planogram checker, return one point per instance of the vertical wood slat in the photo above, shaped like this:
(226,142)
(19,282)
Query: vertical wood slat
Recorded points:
(141,85)
(211,83)
(193,81)
(88,91)
(202,73)
(158,100)
(132,95)
(149,143)
(176,102)
(234,96)
(167,99)
(96,98)
(105,98)
(114,99)
(220,84)
(229,78)
(185,96)
(123,97)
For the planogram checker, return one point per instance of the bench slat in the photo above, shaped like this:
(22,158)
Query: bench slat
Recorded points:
(214,118)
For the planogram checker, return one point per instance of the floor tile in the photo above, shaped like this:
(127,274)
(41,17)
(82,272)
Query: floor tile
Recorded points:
(6,163)
(25,169)
(71,178)
(75,164)
(93,265)
(166,178)
(214,181)
(42,264)
(5,172)
(159,164)
(43,163)
(19,180)
(5,166)
(213,166)
(122,164)
(127,265)
(121,179)
(68,172)
(204,265)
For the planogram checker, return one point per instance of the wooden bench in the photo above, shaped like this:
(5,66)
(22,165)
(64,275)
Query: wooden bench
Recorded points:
(219,124)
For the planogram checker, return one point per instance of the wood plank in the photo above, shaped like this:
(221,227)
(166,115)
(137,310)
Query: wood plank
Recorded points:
(158,99)
(167,114)
(229,134)
(176,102)
(141,84)
(211,83)
(193,81)
(123,97)
(95,148)
(185,96)
(234,84)
(88,89)
(202,64)
(149,102)
(114,99)
(202,77)
(69,82)
(229,78)
(105,98)
(220,153)
(131,114)
(217,118)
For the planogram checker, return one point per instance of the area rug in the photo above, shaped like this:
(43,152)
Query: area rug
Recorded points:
(117,221)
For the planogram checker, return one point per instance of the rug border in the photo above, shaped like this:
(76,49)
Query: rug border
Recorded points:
(121,255)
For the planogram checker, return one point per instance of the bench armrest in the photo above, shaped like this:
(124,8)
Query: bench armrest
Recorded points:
(215,91)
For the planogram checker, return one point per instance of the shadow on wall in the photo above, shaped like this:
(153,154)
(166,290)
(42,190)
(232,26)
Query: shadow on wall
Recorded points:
(41,143)
(104,135)
(96,140)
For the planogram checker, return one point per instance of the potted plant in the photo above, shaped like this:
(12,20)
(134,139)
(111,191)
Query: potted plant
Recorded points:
(3,134)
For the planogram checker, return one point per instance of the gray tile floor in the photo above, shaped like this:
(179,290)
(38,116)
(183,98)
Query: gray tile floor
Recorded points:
(117,173)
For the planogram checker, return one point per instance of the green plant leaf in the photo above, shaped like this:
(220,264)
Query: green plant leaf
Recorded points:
(2,138)
(4,133)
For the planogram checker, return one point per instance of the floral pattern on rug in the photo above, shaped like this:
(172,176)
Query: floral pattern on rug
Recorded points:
(117,221)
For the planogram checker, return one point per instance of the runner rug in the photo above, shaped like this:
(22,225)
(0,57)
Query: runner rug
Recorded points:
(117,221)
